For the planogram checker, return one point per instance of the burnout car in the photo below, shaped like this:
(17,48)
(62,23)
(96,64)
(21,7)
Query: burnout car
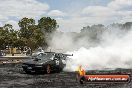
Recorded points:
(45,62)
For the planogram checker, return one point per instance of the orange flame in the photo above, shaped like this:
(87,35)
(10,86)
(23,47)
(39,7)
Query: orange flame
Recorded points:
(81,71)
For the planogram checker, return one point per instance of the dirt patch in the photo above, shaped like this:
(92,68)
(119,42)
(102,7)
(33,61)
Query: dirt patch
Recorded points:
(12,76)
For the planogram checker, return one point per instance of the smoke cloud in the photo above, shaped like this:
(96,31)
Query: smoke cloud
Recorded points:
(111,49)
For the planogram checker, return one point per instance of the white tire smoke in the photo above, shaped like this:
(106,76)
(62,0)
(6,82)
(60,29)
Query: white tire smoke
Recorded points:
(113,51)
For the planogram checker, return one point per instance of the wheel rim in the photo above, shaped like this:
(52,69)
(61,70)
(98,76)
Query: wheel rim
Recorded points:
(48,69)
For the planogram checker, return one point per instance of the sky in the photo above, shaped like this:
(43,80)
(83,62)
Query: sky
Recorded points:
(71,15)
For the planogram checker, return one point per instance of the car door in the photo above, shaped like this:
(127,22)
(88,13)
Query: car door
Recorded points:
(57,62)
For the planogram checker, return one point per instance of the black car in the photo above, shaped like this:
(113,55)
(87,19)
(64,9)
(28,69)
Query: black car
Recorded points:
(45,62)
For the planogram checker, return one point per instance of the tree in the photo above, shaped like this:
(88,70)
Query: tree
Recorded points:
(127,25)
(36,39)
(8,37)
(47,25)
(2,38)
(24,25)
(93,32)
(30,34)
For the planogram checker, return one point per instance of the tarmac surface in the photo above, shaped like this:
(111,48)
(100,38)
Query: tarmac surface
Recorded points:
(12,76)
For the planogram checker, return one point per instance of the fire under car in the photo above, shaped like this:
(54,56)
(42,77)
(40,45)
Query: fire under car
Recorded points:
(45,62)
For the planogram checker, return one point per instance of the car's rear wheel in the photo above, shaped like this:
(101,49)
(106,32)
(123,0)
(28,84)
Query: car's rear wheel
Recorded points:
(59,70)
(48,69)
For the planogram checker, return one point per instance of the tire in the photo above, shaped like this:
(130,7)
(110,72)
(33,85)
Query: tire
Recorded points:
(59,70)
(82,80)
(48,69)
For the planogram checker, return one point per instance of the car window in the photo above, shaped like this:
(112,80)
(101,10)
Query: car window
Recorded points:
(41,55)
(46,56)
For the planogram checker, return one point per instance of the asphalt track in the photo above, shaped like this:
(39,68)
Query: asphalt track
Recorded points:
(12,76)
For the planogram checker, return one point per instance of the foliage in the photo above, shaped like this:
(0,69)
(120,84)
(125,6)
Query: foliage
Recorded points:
(30,34)
(8,36)
(35,35)
(47,25)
